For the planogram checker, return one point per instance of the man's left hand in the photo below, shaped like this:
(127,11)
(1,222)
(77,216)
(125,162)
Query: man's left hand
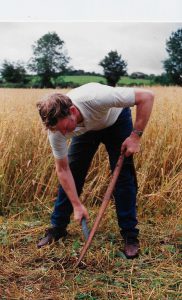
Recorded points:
(131,145)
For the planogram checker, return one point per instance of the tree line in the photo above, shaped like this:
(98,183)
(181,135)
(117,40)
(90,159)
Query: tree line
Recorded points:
(50,60)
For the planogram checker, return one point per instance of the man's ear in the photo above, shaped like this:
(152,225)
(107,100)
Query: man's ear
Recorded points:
(72,109)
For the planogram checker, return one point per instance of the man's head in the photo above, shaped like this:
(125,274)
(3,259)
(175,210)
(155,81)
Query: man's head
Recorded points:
(58,113)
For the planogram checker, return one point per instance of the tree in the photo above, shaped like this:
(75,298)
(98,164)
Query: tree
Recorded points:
(13,72)
(49,58)
(162,79)
(173,65)
(114,67)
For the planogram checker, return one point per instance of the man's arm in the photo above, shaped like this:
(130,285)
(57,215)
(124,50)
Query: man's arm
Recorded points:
(144,101)
(67,182)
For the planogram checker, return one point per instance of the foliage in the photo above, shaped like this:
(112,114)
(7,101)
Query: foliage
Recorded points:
(114,67)
(13,72)
(72,71)
(49,58)
(139,75)
(72,81)
(163,79)
(173,65)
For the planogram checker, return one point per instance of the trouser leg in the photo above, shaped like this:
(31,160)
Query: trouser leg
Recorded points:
(126,187)
(80,154)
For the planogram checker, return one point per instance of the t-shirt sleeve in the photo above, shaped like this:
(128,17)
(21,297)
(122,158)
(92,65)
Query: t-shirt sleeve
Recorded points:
(108,97)
(58,144)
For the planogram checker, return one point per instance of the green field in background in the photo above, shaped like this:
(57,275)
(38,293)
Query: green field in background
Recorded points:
(82,79)
(72,81)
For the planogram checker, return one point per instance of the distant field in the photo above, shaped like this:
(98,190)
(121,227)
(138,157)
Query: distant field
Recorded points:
(82,79)
(74,81)
(127,80)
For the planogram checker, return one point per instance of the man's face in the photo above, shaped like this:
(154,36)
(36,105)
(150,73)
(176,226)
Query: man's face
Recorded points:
(67,124)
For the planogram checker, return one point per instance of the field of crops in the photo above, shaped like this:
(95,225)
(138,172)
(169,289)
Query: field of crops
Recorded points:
(28,187)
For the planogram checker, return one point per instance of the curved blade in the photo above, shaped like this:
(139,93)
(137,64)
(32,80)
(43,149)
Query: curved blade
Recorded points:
(85,228)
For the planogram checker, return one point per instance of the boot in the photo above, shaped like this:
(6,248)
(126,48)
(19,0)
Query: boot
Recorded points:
(52,234)
(131,247)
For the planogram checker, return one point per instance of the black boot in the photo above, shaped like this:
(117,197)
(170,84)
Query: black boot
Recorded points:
(131,247)
(52,234)
(131,242)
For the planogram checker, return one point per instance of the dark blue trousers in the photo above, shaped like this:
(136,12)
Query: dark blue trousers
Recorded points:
(80,154)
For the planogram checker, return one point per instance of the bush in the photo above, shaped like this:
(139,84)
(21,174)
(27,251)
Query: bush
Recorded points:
(131,84)
(12,85)
(35,82)
(162,79)
(13,72)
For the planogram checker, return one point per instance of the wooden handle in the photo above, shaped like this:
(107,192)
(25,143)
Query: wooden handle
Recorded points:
(103,206)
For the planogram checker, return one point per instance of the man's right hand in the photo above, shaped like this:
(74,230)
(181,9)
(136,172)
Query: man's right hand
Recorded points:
(80,212)
(68,184)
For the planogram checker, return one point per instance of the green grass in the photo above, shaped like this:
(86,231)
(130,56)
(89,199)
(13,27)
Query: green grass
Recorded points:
(76,80)
(82,79)
(49,273)
(127,81)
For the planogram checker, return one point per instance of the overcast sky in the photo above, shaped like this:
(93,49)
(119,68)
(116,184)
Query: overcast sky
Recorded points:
(89,10)
(137,29)
(142,45)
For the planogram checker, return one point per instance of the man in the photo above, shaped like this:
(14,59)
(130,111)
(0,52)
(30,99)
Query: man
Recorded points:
(94,114)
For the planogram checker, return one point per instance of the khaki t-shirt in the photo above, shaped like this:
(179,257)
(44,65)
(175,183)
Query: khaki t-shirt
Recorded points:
(100,106)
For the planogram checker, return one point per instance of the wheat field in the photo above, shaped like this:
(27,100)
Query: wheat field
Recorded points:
(28,187)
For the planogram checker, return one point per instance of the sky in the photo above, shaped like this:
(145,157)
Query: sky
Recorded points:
(138,30)
(88,10)
(141,45)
